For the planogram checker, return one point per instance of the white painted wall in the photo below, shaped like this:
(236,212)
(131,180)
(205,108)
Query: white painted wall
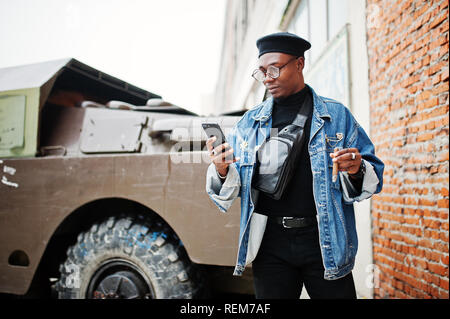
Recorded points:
(359,81)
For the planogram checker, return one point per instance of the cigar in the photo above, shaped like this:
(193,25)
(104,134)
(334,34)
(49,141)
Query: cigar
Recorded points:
(335,167)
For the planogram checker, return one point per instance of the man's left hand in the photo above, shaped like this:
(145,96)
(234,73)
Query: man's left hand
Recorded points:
(348,159)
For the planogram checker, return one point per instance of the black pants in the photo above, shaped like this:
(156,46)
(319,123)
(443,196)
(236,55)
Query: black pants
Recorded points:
(290,258)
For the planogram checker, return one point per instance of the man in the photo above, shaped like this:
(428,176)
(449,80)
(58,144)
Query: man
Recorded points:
(308,236)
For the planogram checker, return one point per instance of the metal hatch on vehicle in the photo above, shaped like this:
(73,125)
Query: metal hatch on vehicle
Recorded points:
(114,133)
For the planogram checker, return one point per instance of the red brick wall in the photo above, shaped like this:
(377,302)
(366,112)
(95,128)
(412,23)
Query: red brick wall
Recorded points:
(408,51)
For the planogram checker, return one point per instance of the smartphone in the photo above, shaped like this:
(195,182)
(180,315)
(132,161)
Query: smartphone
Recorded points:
(213,129)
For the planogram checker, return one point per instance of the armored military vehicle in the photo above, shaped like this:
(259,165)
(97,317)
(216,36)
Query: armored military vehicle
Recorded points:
(102,192)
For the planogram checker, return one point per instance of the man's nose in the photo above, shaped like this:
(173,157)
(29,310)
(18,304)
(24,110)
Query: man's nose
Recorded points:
(268,79)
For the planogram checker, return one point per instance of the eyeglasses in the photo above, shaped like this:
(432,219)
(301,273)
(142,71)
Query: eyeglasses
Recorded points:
(272,71)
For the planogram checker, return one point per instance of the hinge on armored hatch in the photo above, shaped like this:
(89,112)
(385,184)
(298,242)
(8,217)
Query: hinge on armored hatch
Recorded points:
(139,145)
(57,150)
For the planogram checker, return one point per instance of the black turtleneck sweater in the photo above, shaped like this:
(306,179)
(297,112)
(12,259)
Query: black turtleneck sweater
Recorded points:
(298,199)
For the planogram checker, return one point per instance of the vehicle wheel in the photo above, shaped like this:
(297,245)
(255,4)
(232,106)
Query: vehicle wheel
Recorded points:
(127,257)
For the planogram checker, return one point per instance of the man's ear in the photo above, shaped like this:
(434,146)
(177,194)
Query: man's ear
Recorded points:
(300,63)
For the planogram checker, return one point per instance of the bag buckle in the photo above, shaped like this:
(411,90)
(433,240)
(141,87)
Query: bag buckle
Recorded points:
(283,221)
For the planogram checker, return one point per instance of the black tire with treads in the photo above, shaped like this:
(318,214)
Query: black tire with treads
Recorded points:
(128,257)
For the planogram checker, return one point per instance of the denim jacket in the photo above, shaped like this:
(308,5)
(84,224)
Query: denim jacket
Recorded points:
(332,126)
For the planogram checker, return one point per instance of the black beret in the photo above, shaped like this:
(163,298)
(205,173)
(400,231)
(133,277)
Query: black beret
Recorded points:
(283,42)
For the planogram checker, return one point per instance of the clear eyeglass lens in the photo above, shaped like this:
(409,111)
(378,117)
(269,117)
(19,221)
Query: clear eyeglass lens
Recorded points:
(272,71)
(258,75)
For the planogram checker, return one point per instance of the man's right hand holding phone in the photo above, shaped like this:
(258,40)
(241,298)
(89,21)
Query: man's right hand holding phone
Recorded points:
(221,156)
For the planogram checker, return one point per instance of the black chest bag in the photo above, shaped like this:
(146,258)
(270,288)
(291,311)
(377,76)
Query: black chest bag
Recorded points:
(279,154)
